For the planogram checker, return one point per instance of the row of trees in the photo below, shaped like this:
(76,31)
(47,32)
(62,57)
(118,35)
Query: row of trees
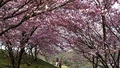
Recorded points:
(25,28)
(90,27)
(95,30)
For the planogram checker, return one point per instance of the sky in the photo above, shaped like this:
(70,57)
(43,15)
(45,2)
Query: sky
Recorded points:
(116,6)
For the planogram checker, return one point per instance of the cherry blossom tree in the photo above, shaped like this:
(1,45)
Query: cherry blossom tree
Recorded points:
(91,28)
(20,22)
(14,12)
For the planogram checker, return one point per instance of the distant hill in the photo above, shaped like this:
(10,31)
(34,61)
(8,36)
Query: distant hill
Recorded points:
(4,63)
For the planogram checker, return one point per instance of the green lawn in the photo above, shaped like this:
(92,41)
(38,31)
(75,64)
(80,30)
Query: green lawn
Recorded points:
(4,62)
(64,66)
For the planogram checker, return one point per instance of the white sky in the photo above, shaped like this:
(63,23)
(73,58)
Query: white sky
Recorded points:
(116,6)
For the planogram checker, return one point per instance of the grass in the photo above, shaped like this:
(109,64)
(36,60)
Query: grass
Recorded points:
(64,66)
(4,63)
(38,64)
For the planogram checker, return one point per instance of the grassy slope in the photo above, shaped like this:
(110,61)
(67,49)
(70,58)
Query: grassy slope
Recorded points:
(4,62)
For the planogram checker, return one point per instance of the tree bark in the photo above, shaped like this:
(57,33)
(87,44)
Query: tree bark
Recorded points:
(20,58)
(35,58)
(104,36)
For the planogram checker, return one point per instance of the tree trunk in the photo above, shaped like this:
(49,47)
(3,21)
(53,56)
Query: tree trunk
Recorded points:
(93,62)
(10,52)
(19,58)
(117,60)
(35,58)
(104,35)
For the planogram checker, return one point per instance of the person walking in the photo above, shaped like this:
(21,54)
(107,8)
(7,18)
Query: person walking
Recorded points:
(57,61)
(60,64)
